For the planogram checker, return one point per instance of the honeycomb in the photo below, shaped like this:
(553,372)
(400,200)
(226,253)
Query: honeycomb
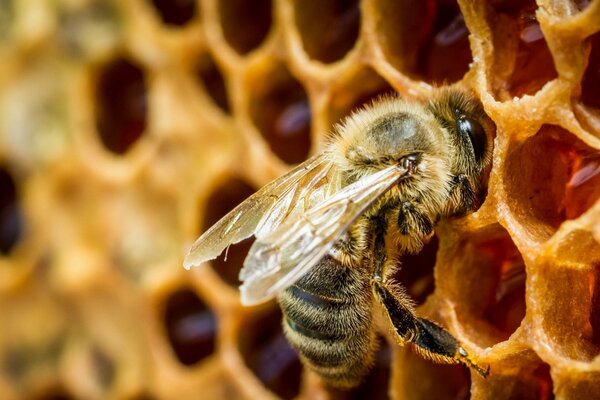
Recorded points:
(129,127)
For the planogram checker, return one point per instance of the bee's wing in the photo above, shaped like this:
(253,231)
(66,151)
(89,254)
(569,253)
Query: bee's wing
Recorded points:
(263,211)
(279,259)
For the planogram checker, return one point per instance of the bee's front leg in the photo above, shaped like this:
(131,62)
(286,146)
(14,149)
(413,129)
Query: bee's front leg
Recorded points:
(463,195)
(411,221)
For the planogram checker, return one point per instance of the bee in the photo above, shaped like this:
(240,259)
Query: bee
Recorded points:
(390,172)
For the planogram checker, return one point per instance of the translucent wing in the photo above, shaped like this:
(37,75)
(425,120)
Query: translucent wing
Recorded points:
(277,260)
(265,210)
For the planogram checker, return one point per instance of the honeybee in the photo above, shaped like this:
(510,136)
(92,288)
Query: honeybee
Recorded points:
(389,174)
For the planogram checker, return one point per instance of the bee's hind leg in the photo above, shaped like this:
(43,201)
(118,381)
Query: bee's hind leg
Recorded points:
(430,340)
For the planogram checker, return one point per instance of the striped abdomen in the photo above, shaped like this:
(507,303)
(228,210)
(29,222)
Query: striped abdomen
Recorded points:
(328,321)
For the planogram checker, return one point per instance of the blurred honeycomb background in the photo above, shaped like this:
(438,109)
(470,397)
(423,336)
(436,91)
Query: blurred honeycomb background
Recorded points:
(129,127)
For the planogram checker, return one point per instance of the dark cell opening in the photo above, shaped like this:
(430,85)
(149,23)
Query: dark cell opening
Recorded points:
(281,111)
(120,105)
(553,176)
(427,39)
(268,354)
(445,54)
(190,327)
(213,82)
(522,46)
(175,12)
(224,199)
(505,308)
(590,84)
(416,272)
(245,23)
(105,368)
(329,28)
(361,91)
(11,220)
(55,394)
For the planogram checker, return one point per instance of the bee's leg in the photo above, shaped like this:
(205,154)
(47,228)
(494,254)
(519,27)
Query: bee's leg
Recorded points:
(430,340)
(463,190)
(412,221)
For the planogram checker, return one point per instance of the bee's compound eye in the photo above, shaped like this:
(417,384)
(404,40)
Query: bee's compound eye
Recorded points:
(472,128)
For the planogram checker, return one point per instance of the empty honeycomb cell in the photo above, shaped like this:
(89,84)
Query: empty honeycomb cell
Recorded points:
(268,354)
(222,200)
(522,54)
(551,155)
(245,24)
(415,272)
(590,83)
(329,28)
(445,54)
(11,221)
(190,326)
(568,313)
(419,379)
(425,39)
(360,90)
(280,109)
(212,80)
(532,382)
(175,12)
(489,281)
(121,105)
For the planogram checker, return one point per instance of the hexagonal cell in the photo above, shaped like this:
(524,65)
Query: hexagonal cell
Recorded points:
(212,80)
(190,326)
(224,199)
(120,104)
(590,83)
(425,39)
(551,177)
(420,379)
(509,381)
(523,63)
(175,12)
(359,91)
(11,220)
(329,28)
(487,278)
(415,272)
(568,303)
(267,353)
(245,24)
(280,109)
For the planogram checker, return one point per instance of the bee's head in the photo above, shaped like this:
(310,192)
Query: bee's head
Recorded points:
(388,133)
(470,132)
